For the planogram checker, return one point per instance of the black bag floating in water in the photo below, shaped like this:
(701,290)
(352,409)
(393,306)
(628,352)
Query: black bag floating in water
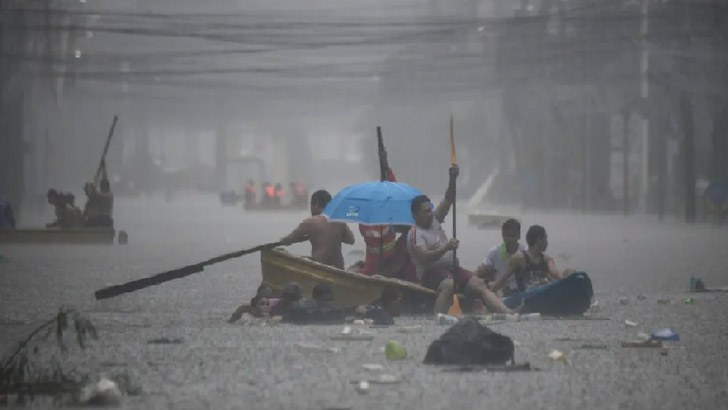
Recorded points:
(470,343)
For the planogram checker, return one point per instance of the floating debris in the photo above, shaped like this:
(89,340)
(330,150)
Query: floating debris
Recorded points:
(557,355)
(630,323)
(588,346)
(353,338)
(362,387)
(373,367)
(643,343)
(165,341)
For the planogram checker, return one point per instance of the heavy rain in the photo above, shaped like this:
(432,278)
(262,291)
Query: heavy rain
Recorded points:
(164,241)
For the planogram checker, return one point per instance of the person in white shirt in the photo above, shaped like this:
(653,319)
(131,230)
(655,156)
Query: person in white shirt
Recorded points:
(496,261)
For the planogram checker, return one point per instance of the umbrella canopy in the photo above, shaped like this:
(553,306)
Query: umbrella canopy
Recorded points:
(373,203)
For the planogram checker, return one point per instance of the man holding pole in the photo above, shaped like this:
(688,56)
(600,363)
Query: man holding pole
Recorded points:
(433,254)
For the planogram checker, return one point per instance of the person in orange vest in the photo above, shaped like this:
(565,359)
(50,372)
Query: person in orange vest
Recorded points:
(250,193)
(380,240)
(278,193)
(300,193)
(268,193)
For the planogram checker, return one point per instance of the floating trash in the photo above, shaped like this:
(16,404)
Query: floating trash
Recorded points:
(557,355)
(666,334)
(363,387)
(373,367)
(410,329)
(395,351)
(630,323)
(643,343)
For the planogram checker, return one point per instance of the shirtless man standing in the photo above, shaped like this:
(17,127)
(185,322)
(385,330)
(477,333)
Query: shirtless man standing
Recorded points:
(325,237)
(531,267)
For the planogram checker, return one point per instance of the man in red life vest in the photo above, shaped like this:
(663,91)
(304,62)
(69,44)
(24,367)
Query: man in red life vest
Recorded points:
(380,240)
(250,192)
(300,193)
(278,193)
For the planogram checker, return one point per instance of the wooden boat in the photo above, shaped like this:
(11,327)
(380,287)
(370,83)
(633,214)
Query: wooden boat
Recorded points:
(487,220)
(57,235)
(350,288)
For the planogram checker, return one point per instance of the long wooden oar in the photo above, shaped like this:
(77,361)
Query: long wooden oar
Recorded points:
(106,148)
(454,161)
(116,290)
(455,307)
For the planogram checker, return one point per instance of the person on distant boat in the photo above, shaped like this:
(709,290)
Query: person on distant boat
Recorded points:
(67,214)
(496,261)
(278,193)
(250,193)
(269,193)
(7,218)
(99,205)
(300,193)
(432,254)
(530,268)
(325,237)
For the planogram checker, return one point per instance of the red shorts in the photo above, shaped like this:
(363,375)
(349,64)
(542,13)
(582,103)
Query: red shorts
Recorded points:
(432,278)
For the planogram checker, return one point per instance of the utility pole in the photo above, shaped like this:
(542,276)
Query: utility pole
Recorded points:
(625,161)
(645,94)
(686,112)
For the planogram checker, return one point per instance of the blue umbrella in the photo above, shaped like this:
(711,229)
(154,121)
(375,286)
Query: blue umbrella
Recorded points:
(373,203)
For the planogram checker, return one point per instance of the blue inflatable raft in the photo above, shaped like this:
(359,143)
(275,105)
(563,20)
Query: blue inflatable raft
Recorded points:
(568,296)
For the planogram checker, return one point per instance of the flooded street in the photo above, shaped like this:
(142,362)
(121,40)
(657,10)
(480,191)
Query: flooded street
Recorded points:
(218,365)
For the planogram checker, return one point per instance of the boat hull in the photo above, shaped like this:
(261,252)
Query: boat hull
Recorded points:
(350,288)
(54,235)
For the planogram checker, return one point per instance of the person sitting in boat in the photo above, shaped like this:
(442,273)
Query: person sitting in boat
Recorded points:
(7,218)
(268,194)
(532,267)
(250,193)
(432,254)
(299,192)
(67,214)
(496,261)
(278,193)
(325,237)
(99,205)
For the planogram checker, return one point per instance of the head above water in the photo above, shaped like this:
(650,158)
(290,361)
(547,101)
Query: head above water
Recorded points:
(291,292)
(511,232)
(319,200)
(265,291)
(52,195)
(422,211)
(259,306)
(536,238)
(323,294)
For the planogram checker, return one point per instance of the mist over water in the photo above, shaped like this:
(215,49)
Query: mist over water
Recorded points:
(603,121)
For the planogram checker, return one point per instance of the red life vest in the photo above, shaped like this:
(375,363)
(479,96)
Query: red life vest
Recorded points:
(269,191)
(379,239)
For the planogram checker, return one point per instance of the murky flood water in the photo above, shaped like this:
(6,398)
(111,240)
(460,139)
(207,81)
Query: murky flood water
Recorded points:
(236,366)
